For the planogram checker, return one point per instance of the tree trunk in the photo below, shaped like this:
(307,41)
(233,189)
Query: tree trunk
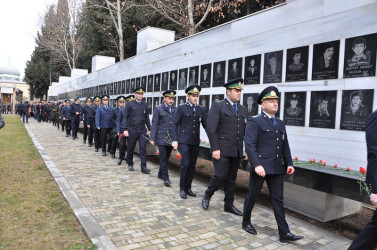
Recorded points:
(120,32)
(190,18)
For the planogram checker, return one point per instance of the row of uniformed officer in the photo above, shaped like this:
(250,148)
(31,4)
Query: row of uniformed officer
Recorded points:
(75,111)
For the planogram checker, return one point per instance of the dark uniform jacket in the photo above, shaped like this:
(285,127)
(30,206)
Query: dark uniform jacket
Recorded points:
(136,116)
(114,117)
(266,145)
(75,108)
(25,107)
(120,121)
(162,122)
(103,117)
(186,124)
(92,114)
(84,115)
(371,139)
(226,129)
(65,113)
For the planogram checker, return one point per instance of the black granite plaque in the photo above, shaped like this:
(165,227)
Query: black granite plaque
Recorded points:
(357,105)
(219,74)
(205,75)
(150,83)
(144,82)
(234,68)
(297,64)
(128,86)
(217,98)
(113,86)
(133,85)
(252,69)
(273,67)
(157,82)
(204,102)
(360,56)
(194,75)
(123,87)
(181,100)
(173,80)
(138,82)
(322,109)
(294,108)
(149,104)
(119,88)
(164,81)
(182,81)
(250,102)
(325,60)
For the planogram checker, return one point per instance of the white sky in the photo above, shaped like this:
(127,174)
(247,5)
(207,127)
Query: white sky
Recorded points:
(19,23)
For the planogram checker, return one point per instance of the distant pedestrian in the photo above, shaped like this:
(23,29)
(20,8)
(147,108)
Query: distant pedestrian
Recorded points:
(2,123)
(9,108)
(25,111)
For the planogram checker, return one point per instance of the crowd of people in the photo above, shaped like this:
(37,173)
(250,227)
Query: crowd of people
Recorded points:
(6,108)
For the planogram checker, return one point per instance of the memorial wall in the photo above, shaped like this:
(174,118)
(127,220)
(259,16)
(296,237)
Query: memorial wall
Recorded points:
(321,54)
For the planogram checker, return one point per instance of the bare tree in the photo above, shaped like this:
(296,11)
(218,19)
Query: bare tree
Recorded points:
(59,32)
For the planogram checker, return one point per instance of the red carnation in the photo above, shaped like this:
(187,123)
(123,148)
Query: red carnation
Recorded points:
(200,140)
(313,160)
(290,170)
(320,161)
(362,170)
(158,152)
(324,163)
(179,156)
(348,169)
(121,135)
(296,158)
(336,165)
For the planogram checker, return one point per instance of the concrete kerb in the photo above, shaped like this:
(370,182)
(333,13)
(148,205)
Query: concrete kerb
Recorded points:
(91,227)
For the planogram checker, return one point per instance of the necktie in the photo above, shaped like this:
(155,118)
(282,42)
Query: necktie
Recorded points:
(235,108)
(106,107)
(273,121)
(193,108)
(169,109)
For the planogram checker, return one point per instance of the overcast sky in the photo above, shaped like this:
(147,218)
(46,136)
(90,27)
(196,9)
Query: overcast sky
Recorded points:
(19,23)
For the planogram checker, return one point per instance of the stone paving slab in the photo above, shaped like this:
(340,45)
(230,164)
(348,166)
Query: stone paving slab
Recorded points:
(136,210)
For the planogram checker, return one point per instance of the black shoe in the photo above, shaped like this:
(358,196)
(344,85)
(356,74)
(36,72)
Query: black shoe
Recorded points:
(159,177)
(289,237)
(113,156)
(183,195)
(103,153)
(90,145)
(190,193)
(83,142)
(73,138)
(167,183)
(66,135)
(145,170)
(249,228)
(130,167)
(233,210)
(205,201)
(96,150)
(119,161)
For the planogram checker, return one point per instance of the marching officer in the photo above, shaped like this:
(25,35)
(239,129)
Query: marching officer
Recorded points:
(161,132)
(136,126)
(120,131)
(84,117)
(75,111)
(267,148)
(54,113)
(103,123)
(93,131)
(113,119)
(225,129)
(186,137)
(66,117)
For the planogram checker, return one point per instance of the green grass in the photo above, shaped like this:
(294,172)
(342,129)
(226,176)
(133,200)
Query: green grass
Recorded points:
(33,212)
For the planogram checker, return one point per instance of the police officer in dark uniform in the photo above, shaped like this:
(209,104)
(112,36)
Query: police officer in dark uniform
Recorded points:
(113,119)
(84,118)
(367,237)
(137,125)
(186,137)
(161,132)
(92,120)
(66,117)
(225,129)
(103,122)
(75,111)
(54,113)
(267,148)
(120,131)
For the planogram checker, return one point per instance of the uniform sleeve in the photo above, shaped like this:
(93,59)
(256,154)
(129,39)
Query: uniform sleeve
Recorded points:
(204,119)
(251,140)
(119,120)
(126,116)
(212,124)
(147,120)
(98,114)
(176,121)
(371,134)
(82,115)
(287,157)
(155,118)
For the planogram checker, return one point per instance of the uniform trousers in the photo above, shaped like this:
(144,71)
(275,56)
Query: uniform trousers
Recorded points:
(25,117)
(114,142)
(104,133)
(75,122)
(189,156)
(165,152)
(275,185)
(96,136)
(226,169)
(367,237)
(67,127)
(63,123)
(86,132)
(137,135)
(122,147)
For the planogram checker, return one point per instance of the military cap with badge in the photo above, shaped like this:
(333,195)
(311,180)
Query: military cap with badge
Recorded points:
(139,90)
(236,83)
(193,89)
(169,93)
(270,92)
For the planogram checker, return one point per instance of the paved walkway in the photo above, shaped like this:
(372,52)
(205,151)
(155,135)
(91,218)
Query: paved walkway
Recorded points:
(129,210)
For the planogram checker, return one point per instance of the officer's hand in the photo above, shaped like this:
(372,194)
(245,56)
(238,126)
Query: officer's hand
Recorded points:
(98,128)
(290,170)
(245,157)
(259,170)
(126,133)
(151,141)
(175,145)
(77,113)
(148,132)
(216,154)
(88,126)
(373,199)
(118,134)
(82,121)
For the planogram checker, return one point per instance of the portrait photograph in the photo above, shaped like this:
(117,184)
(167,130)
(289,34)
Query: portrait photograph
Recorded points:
(217,98)
(297,64)
(157,82)
(294,108)
(205,75)
(128,86)
(204,102)
(150,83)
(234,68)
(119,88)
(144,82)
(156,102)
(138,82)
(181,100)
(165,81)
(322,109)
(357,105)
(123,92)
(325,60)
(252,69)
(360,56)
(218,74)
(182,79)
(273,62)
(133,85)
(193,75)
(173,80)
(250,103)
(113,88)
(149,104)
